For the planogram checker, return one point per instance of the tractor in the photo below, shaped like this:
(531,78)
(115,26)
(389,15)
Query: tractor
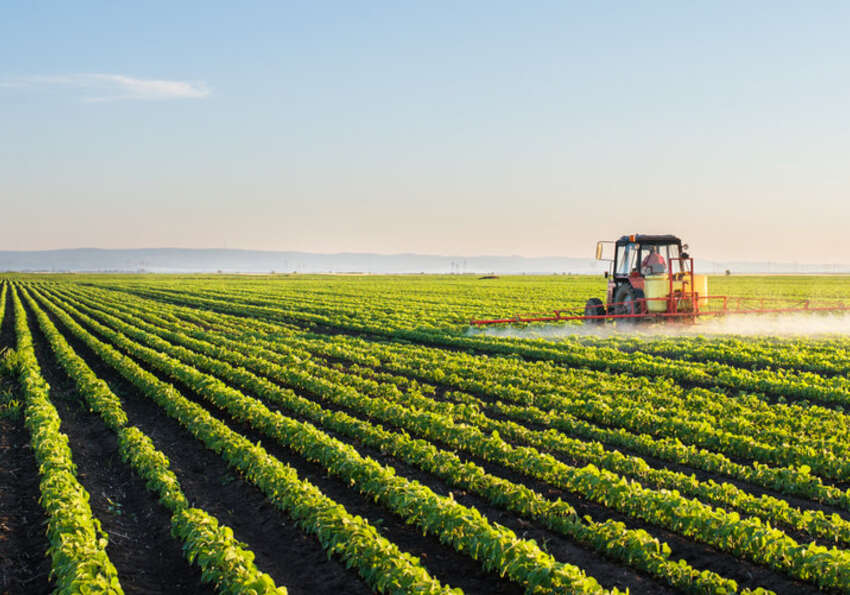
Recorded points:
(649,275)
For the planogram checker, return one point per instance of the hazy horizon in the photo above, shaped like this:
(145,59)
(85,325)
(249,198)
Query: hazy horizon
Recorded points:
(444,129)
(194,260)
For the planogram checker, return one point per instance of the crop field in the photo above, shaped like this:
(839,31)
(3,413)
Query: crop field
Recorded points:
(352,434)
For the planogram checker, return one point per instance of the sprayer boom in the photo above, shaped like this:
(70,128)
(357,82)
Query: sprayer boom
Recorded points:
(716,306)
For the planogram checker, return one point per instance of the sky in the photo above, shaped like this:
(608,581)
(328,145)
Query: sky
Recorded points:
(457,128)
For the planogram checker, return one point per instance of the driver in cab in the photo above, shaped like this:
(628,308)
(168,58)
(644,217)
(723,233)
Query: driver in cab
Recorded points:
(653,263)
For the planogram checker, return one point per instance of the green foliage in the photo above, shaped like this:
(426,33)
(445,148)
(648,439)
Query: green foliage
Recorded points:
(383,363)
(636,548)
(380,562)
(77,544)
(223,561)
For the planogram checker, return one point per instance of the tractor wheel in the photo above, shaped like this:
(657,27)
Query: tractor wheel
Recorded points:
(594,307)
(629,301)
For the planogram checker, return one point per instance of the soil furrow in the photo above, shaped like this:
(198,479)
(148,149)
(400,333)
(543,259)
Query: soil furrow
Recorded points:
(147,557)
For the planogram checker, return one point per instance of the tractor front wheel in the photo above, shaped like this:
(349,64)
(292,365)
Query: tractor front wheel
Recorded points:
(594,307)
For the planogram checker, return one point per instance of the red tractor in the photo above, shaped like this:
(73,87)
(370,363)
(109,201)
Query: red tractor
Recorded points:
(650,275)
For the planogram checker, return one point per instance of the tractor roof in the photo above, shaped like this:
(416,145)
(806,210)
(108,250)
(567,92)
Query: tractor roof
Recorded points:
(649,240)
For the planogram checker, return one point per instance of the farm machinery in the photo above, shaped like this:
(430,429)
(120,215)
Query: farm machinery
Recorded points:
(652,278)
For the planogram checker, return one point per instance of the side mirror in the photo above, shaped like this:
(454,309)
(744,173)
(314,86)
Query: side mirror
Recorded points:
(598,250)
(606,274)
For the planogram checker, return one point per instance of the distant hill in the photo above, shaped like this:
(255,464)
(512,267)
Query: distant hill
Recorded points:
(176,260)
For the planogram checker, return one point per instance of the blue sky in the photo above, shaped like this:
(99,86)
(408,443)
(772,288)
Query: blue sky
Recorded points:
(449,128)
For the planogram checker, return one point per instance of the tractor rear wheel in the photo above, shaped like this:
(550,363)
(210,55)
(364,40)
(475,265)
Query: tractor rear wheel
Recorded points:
(629,301)
(594,307)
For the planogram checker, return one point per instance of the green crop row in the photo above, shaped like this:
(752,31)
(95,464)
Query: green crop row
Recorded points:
(744,537)
(800,385)
(358,543)
(791,480)
(606,360)
(76,542)
(497,548)
(673,421)
(794,481)
(632,547)
(832,528)
(11,408)
(796,355)
(224,561)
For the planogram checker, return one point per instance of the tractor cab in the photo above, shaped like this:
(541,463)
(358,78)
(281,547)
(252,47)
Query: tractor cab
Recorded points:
(642,255)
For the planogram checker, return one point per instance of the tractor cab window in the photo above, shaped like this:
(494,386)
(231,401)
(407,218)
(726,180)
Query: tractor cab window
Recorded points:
(627,259)
(675,251)
(657,259)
